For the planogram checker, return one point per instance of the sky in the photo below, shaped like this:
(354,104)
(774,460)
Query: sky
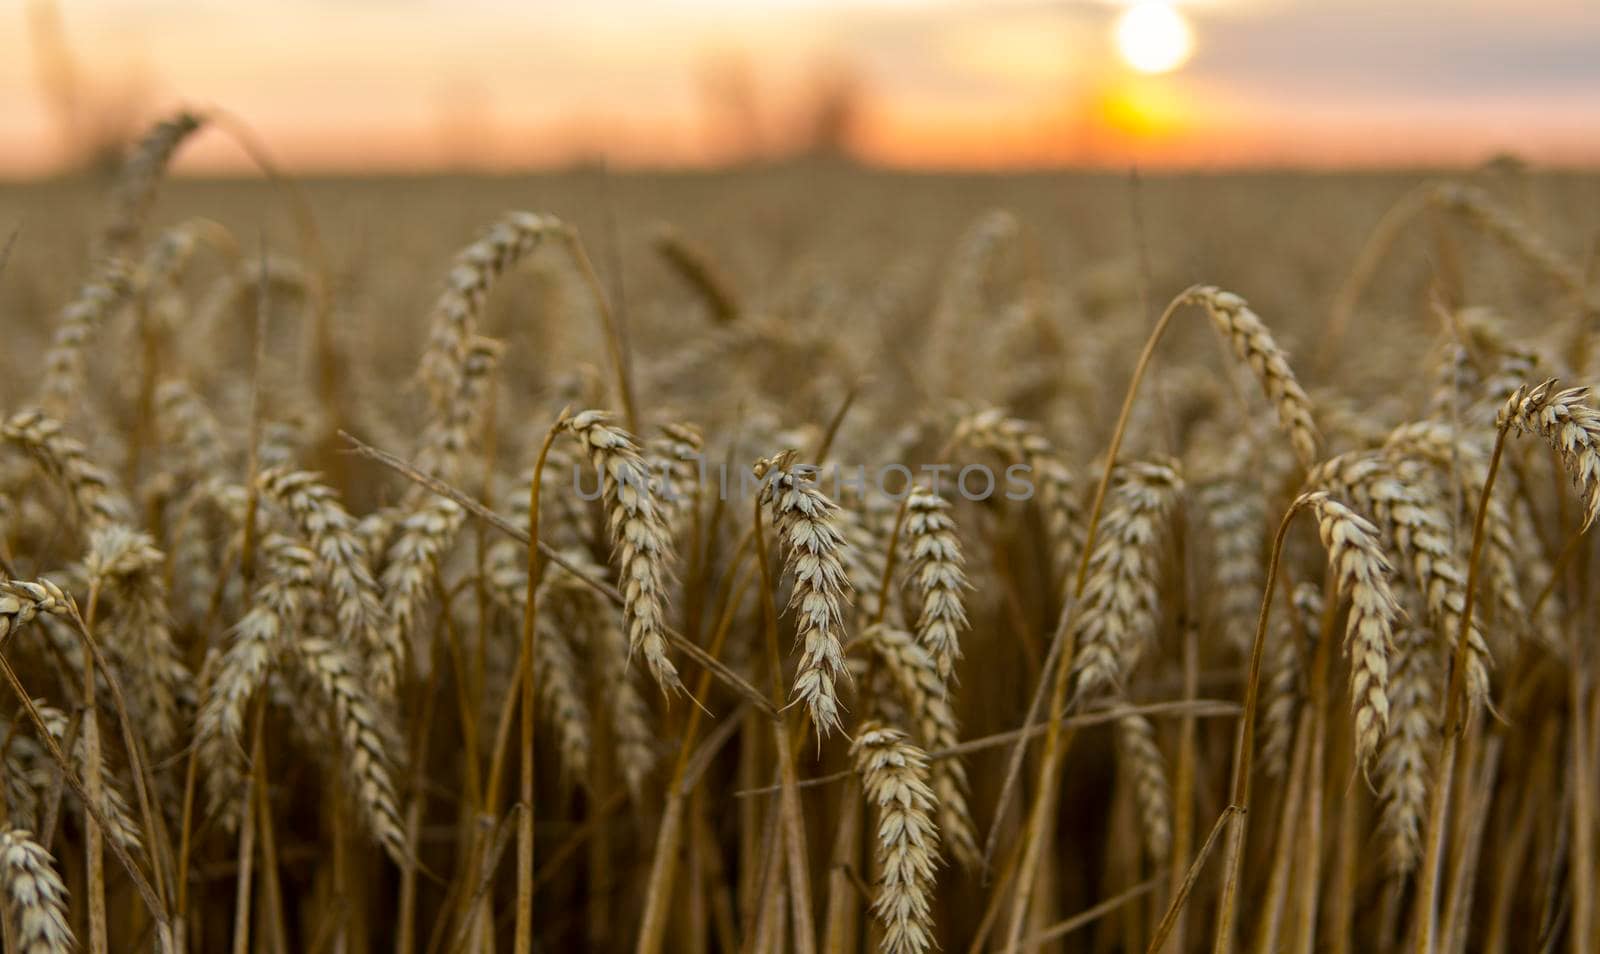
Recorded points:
(401,85)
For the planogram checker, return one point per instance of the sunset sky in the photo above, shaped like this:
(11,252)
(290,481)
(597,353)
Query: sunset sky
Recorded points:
(355,85)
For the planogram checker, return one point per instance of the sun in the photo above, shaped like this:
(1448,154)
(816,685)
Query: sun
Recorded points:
(1154,38)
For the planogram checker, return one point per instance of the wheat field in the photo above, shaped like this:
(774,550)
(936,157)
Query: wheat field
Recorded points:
(799,558)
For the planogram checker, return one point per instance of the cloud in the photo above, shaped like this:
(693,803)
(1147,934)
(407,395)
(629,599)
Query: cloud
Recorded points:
(1403,51)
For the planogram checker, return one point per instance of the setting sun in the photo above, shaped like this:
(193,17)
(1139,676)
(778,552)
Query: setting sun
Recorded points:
(1154,38)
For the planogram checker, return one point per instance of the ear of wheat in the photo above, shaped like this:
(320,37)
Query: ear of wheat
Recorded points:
(365,737)
(22,600)
(675,459)
(449,434)
(1570,426)
(1285,682)
(113,805)
(127,568)
(694,263)
(1018,442)
(1465,465)
(1361,573)
(408,574)
(1118,612)
(937,574)
(38,897)
(894,776)
(94,494)
(467,287)
(640,538)
(1146,771)
(1403,763)
(98,301)
(807,528)
(330,531)
(138,179)
(561,691)
(1409,506)
(287,591)
(1253,344)
(927,706)
(1234,511)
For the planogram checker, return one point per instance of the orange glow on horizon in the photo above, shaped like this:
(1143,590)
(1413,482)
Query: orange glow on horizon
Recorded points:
(434,85)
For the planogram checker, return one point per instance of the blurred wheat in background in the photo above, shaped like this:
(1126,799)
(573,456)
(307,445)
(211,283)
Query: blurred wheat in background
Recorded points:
(463,564)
